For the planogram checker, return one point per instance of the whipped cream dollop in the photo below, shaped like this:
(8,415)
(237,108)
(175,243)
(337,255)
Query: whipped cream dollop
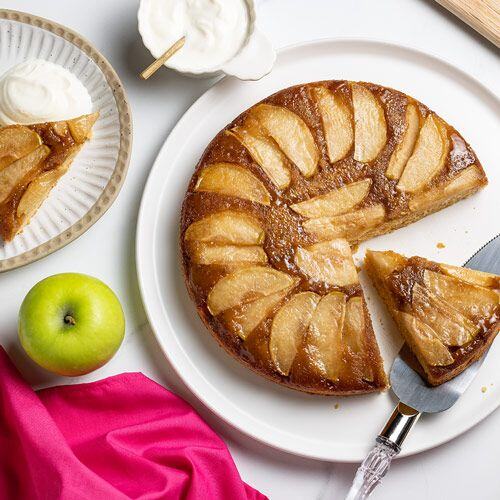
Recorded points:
(215,30)
(37,91)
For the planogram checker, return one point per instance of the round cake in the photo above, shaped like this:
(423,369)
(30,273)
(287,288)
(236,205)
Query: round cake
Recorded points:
(276,202)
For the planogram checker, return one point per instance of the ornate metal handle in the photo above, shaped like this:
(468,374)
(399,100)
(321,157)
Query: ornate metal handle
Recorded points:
(388,445)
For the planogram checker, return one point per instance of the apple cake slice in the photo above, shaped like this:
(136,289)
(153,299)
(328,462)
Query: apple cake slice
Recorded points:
(448,315)
(32,159)
(274,204)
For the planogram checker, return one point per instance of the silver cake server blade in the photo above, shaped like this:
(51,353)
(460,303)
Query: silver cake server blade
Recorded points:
(416,397)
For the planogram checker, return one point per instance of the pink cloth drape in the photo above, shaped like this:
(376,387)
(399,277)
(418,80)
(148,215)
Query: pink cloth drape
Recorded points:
(122,437)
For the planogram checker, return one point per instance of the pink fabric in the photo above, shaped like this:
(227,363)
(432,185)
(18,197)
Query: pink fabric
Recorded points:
(122,437)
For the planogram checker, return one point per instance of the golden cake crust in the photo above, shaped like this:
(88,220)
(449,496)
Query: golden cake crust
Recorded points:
(286,230)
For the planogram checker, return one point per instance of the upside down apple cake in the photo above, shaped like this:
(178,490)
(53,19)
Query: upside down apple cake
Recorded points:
(274,204)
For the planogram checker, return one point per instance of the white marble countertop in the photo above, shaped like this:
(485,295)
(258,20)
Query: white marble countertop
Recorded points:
(464,468)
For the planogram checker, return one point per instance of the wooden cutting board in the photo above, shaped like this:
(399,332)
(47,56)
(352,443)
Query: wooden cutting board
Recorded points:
(482,15)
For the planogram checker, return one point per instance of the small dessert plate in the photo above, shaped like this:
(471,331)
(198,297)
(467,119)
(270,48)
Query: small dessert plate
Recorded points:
(89,188)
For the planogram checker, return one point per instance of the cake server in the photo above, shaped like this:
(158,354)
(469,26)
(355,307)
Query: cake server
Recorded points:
(415,397)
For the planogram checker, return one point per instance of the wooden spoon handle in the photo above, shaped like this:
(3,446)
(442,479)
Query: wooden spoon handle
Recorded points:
(155,65)
(482,15)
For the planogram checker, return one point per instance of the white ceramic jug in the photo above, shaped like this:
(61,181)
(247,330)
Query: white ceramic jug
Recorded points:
(252,61)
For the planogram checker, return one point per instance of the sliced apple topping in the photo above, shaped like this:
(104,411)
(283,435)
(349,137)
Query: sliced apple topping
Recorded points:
(14,173)
(336,117)
(81,127)
(232,180)
(291,134)
(404,149)
(370,129)
(15,142)
(468,179)
(472,276)
(245,319)
(36,193)
(452,328)
(350,225)
(384,263)
(424,341)
(288,328)
(206,254)
(266,153)
(354,332)
(245,285)
(338,201)
(228,226)
(471,300)
(428,158)
(329,262)
(324,344)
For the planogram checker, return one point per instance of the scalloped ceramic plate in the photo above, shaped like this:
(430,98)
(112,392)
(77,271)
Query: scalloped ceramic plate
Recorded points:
(303,424)
(97,173)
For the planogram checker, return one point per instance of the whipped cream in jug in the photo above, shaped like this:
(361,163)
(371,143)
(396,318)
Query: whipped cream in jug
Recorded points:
(215,30)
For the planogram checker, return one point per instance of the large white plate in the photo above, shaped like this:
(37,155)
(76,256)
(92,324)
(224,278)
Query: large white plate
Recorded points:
(299,423)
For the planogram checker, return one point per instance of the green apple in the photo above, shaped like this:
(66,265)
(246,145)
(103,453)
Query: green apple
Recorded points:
(71,323)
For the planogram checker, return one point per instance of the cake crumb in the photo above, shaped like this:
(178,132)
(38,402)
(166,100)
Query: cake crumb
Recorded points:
(337,406)
(440,245)
(483,389)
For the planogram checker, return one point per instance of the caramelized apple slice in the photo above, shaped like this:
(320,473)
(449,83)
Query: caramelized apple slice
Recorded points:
(288,328)
(232,180)
(404,149)
(207,254)
(351,225)
(338,201)
(14,173)
(471,300)
(324,344)
(16,141)
(292,135)
(245,285)
(228,226)
(467,180)
(354,332)
(266,154)
(384,263)
(81,127)
(451,327)
(245,319)
(472,276)
(36,193)
(370,129)
(428,157)
(424,341)
(329,262)
(336,117)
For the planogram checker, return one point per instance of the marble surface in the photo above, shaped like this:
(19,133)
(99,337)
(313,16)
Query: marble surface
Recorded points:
(465,467)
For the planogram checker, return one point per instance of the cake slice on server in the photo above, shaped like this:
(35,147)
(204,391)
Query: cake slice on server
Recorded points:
(448,315)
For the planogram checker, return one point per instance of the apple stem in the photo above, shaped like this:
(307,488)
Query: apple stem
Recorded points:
(69,320)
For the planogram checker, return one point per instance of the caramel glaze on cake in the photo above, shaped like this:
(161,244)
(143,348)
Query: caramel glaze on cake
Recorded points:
(286,228)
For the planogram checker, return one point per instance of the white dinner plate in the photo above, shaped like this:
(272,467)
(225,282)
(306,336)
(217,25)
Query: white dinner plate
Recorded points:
(331,428)
(98,171)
